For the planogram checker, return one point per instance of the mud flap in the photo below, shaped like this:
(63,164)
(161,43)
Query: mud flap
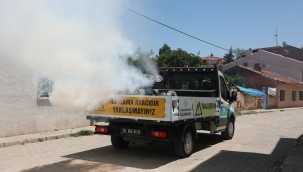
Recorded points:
(212,127)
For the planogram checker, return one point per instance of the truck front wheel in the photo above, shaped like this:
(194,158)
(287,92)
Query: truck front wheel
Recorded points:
(184,145)
(118,142)
(229,131)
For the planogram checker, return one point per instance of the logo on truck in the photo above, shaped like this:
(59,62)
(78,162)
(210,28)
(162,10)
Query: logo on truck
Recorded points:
(198,107)
(204,109)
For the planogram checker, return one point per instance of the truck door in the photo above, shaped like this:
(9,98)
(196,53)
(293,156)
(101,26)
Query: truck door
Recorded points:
(224,102)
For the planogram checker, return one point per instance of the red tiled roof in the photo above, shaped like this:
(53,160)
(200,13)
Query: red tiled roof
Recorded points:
(215,58)
(274,76)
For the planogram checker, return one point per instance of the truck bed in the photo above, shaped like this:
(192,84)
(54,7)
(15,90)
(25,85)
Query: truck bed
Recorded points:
(155,108)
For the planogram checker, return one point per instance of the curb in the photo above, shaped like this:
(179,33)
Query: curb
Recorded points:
(34,140)
(257,111)
(40,138)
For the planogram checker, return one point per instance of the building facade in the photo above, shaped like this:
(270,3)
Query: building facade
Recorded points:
(289,92)
(212,60)
(270,62)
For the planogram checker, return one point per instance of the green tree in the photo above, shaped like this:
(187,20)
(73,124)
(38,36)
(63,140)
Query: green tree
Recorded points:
(176,58)
(240,53)
(145,61)
(165,50)
(229,57)
(235,79)
(220,67)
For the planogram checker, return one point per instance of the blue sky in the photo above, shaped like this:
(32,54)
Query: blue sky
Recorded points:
(237,23)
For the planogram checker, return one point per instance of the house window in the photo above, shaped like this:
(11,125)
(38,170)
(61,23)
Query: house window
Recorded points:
(282,95)
(293,95)
(45,87)
(301,95)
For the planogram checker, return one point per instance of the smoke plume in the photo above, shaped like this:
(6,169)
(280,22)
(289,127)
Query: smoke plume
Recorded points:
(78,44)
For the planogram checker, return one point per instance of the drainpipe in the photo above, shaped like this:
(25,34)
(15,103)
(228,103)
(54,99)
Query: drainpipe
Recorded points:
(265,97)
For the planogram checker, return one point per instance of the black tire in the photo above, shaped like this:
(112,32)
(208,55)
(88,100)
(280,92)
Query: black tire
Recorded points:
(229,131)
(118,142)
(184,145)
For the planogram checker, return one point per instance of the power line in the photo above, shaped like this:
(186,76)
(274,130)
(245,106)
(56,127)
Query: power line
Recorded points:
(165,25)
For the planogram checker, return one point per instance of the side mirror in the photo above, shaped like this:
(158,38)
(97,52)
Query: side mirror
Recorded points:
(233,97)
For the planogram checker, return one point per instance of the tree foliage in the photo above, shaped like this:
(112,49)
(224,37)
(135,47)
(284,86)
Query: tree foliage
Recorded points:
(233,54)
(165,50)
(144,61)
(228,57)
(235,79)
(176,58)
(239,53)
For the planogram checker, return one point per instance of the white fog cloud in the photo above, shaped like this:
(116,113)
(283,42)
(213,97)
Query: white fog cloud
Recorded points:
(78,44)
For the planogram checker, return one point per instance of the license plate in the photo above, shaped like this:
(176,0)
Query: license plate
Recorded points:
(130,131)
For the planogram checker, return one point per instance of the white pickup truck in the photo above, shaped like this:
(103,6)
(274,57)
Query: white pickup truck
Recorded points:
(182,101)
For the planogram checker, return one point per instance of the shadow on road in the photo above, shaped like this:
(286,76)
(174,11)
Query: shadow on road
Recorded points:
(207,140)
(141,156)
(248,161)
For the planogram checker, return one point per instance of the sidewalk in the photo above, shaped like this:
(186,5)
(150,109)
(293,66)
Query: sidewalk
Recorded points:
(40,137)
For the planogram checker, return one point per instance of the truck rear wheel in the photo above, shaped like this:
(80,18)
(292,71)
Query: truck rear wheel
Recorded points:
(118,142)
(184,145)
(229,131)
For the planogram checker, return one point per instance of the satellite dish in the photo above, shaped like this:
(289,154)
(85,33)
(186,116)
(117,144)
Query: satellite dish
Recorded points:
(284,44)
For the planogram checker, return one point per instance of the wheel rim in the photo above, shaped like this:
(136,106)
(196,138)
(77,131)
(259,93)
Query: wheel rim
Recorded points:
(230,129)
(188,143)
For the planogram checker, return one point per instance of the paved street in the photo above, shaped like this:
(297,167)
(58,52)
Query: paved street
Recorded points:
(259,144)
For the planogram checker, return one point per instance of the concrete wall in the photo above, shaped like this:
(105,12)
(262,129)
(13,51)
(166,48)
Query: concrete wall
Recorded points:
(19,113)
(245,102)
(272,102)
(288,96)
(272,62)
(240,101)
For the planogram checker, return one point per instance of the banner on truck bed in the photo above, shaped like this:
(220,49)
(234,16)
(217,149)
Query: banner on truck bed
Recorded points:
(133,106)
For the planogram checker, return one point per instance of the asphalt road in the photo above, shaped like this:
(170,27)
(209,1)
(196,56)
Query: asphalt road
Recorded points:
(259,144)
